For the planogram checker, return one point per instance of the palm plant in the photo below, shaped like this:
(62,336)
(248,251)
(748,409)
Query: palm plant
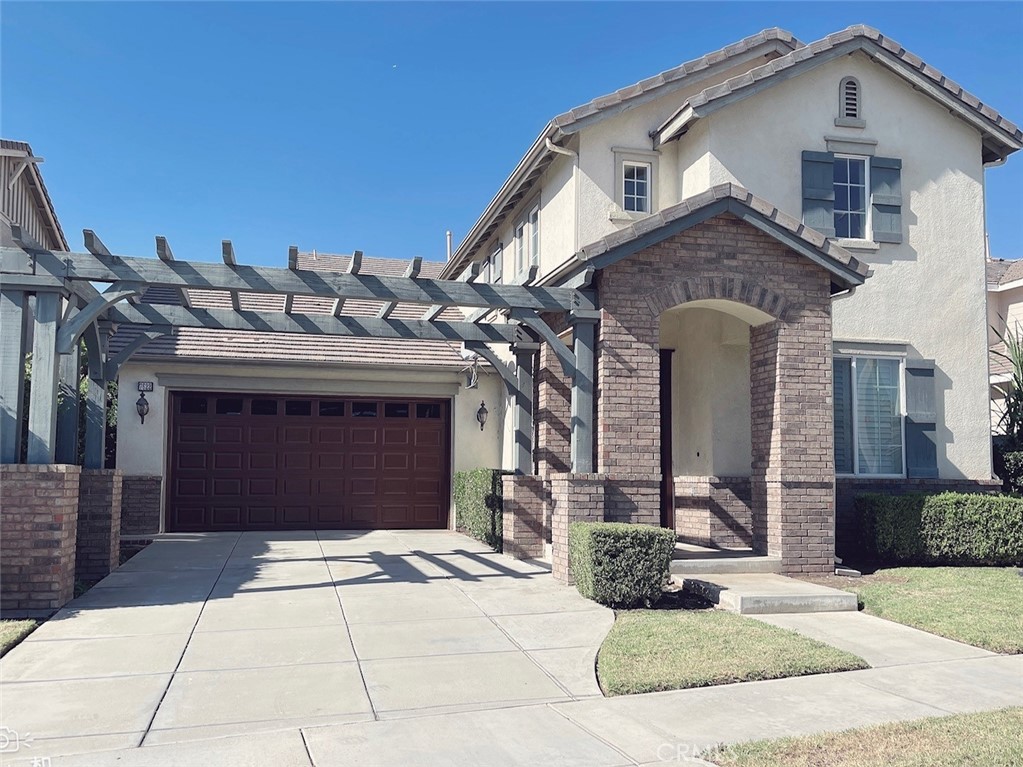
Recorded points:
(1011,421)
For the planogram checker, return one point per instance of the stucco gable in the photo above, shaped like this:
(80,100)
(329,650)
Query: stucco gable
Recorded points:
(1001,136)
(845,268)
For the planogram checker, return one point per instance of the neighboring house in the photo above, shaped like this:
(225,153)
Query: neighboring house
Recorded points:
(786,242)
(1004,315)
(25,201)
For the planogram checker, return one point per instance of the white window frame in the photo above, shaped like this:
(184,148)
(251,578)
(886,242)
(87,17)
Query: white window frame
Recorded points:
(526,234)
(901,359)
(868,229)
(496,276)
(624,156)
(648,198)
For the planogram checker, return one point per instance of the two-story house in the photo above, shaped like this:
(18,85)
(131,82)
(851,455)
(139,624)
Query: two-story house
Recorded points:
(786,245)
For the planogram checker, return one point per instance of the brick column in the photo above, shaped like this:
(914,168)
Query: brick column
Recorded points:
(99,524)
(523,516)
(37,538)
(140,506)
(575,498)
(793,483)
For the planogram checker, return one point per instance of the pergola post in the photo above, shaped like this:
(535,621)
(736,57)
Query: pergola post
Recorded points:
(42,408)
(12,373)
(583,323)
(523,412)
(67,410)
(96,397)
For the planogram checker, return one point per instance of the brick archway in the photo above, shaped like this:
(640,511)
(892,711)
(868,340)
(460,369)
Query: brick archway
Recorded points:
(739,287)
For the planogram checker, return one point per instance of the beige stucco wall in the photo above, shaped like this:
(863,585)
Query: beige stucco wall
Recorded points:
(710,392)
(927,292)
(141,448)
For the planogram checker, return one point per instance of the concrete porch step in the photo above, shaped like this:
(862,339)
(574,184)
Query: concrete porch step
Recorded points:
(767,593)
(692,560)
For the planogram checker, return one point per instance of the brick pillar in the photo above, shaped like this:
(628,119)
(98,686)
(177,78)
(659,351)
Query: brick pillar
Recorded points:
(553,418)
(793,485)
(140,506)
(38,521)
(523,516)
(575,498)
(99,524)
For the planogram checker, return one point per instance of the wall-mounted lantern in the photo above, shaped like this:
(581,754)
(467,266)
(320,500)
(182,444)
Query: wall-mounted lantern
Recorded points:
(481,415)
(142,405)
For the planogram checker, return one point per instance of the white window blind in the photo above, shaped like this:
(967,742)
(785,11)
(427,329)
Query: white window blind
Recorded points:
(878,416)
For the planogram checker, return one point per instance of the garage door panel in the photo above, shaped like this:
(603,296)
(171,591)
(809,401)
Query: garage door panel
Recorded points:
(227,486)
(226,435)
(227,460)
(262,486)
(227,516)
(263,461)
(268,462)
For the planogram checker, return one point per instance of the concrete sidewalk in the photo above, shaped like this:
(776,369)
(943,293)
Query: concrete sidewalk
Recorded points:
(659,728)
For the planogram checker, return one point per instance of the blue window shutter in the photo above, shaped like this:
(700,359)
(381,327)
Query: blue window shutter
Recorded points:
(921,420)
(843,427)
(886,199)
(499,264)
(819,191)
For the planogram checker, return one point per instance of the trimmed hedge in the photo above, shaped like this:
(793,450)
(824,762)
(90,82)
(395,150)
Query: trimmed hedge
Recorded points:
(618,564)
(479,505)
(942,529)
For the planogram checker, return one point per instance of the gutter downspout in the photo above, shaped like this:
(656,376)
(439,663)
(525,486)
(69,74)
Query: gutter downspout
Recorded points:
(552,147)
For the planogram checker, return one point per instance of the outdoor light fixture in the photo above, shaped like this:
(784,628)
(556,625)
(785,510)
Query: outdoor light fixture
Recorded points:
(142,406)
(481,414)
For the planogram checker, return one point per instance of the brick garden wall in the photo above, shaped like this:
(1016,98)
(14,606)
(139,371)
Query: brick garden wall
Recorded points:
(140,506)
(98,547)
(523,519)
(714,511)
(38,524)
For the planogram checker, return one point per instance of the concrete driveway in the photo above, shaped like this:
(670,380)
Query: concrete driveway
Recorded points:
(226,634)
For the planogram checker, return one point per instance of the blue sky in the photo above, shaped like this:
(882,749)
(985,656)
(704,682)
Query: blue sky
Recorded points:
(339,126)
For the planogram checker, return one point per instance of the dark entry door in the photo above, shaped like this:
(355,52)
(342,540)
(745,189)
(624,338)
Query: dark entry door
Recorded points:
(269,462)
(667,479)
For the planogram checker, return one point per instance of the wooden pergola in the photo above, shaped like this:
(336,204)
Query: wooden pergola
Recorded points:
(68,307)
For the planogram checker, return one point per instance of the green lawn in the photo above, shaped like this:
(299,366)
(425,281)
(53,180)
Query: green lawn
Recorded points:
(651,650)
(981,606)
(12,632)
(990,739)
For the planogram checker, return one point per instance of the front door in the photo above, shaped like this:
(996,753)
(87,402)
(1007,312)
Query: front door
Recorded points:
(667,480)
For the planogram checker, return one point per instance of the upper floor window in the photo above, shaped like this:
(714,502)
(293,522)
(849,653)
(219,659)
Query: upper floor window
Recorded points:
(527,240)
(636,187)
(497,263)
(849,98)
(851,185)
(635,191)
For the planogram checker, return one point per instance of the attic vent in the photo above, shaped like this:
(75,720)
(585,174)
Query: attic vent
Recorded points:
(849,98)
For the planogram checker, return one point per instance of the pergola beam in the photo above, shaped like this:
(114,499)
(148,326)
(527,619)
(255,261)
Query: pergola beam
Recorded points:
(164,253)
(211,276)
(113,364)
(314,324)
(410,274)
(227,252)
(72,330)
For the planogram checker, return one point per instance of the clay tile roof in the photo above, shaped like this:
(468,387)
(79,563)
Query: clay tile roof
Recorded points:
(742,195)
(1002,271)
(677,73)
(211,344)
(970,103)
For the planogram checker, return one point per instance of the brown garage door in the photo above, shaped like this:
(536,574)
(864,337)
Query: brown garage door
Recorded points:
(265,462)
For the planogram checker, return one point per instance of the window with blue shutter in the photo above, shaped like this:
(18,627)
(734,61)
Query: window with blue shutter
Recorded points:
(886,199)
(843,416)
(819,191)
(921,420)
(836,191)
